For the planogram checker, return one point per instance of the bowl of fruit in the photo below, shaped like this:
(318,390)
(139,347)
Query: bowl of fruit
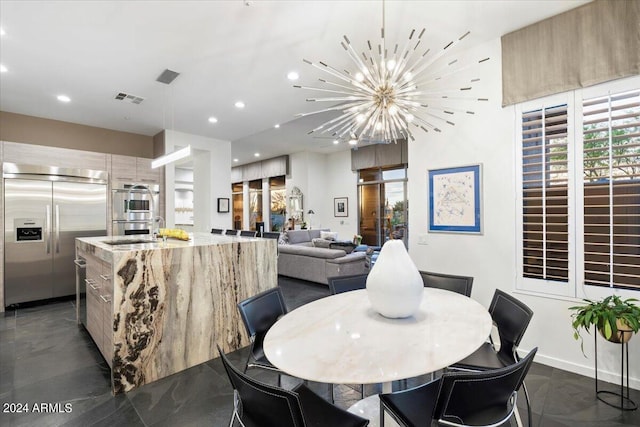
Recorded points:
(173,233)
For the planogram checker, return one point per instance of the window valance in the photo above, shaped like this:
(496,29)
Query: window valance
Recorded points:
(591,44)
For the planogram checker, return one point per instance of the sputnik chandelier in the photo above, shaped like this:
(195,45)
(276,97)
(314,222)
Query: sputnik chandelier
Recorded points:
(392,91)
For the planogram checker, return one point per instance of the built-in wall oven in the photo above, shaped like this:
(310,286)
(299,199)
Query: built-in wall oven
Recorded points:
(134,208)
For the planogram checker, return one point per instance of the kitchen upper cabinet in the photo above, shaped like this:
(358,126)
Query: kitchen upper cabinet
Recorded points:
(145,173)
(123,168)
(134,170)
(42,155)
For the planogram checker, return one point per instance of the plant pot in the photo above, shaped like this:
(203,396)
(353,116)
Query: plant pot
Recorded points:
(623,335)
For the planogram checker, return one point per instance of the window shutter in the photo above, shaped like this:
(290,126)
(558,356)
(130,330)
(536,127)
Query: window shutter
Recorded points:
(611,186)
(545,194)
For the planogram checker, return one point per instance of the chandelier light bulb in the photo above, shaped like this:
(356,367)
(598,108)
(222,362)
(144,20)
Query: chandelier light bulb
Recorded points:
(393,110)
(359,77)
(378,126)
(360,118)
(391,65)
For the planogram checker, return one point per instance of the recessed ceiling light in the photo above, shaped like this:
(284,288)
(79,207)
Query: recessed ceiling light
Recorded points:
(213,120)
(293,75)
(64,98)
(256,154)
(235,160)
(336,142)
(2,32)
(276,126)
(239,104)
(3,69)
(353,142)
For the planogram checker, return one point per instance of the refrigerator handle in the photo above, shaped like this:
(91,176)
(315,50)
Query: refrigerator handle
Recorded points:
(47,231)
(57,226)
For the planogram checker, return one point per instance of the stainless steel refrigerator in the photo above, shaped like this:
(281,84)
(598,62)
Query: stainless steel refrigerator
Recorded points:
(45,209)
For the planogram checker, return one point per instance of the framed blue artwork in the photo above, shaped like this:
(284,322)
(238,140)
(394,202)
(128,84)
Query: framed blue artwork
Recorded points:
(455,200)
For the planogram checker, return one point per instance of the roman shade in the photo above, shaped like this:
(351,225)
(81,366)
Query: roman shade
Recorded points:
(591,44)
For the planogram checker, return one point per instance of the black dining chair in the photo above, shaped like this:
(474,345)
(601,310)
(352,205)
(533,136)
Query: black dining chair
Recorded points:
(256,404)
(248,233)
(259,313)
(511,317)
(231,232)
(339,284)
(461,399)
(271,235)
(449,282)
(216,231)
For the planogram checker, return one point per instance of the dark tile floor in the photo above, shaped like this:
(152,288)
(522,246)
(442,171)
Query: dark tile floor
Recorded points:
(46,359)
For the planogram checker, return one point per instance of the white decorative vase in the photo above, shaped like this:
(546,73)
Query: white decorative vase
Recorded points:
(394,285)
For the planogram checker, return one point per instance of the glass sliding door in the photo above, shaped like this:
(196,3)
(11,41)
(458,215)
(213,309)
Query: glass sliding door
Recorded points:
(255,203)
(382,204)
(278,204)
(236,195)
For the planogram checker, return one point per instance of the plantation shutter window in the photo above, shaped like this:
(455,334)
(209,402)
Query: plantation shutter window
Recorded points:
(545,175)
(611,190)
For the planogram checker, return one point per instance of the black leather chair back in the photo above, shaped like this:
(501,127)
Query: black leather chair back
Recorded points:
(231,232)
(512,318)
(260,312)
(480,398)
(248,233)
(216,231)
(339,284)
(262,404)
(449,282)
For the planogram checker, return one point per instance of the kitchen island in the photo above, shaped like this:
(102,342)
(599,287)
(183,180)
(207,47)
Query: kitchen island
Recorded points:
(155,308)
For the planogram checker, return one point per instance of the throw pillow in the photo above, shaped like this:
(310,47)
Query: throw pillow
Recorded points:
(329,235)
(284,239)
(321,243)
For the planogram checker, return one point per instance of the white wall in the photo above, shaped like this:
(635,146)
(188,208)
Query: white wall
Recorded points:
(341,182)
(211,179)
(321,178)
(488,138)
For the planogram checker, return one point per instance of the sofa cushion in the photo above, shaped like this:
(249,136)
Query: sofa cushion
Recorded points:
(298,236)
(353,256)
(312,252)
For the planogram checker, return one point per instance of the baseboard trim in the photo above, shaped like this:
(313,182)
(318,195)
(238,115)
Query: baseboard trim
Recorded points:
(586,370)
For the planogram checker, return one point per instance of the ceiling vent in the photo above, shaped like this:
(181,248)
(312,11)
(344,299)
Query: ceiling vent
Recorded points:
(133,99)
(167,76)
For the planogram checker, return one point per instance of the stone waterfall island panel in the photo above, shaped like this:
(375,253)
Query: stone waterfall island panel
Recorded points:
(174,301)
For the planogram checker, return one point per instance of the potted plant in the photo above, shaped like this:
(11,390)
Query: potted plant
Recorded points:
(616,319)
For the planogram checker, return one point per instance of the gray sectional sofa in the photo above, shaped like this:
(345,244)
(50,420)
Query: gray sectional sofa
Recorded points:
(300,258)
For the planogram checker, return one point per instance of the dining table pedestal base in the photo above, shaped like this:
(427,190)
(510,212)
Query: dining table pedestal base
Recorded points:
(369,408)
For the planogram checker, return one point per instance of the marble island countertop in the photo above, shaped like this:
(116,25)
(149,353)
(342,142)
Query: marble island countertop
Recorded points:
(104,246)
(173,301)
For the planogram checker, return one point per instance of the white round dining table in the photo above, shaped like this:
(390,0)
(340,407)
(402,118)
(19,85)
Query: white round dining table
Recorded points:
(341,339)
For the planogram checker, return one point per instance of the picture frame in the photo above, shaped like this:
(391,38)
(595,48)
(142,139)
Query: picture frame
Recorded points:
(455,203)
(223,204)
(341,206)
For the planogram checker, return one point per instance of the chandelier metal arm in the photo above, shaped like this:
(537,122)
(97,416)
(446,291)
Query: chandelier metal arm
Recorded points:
(338,107)
(437,56)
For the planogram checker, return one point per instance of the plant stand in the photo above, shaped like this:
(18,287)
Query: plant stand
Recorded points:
(626,404)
